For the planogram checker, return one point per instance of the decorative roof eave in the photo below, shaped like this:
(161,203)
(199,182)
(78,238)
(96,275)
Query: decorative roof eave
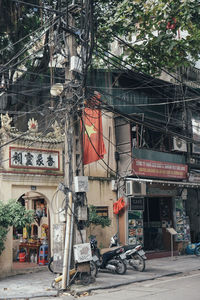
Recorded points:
(36,137)
(54,137)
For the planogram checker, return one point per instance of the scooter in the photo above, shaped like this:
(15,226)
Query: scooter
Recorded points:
(134,255)
(197,249)
(112,260)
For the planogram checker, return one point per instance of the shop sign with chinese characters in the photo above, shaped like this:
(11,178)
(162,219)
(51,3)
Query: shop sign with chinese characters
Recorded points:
(34,158)
(159,169)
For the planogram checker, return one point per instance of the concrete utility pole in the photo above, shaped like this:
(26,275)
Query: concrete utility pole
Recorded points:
(73,153)
(69,166)
(74,91)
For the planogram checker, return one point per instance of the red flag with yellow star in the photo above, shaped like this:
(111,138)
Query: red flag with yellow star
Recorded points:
(93,144)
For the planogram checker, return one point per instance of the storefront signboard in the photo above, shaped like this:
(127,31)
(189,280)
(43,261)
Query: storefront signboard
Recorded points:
(159,169)
(136,203)
(33,158)
(164,190)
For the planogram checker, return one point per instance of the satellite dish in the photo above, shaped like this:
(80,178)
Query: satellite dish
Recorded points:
(56,89)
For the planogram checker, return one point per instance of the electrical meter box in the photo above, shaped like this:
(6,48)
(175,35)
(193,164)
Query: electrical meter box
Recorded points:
(82,213)
(76,64)
(80,184)
(82,253)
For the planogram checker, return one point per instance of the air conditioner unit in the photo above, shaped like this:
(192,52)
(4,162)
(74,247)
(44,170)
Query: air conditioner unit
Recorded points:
(134,188)
(179,145)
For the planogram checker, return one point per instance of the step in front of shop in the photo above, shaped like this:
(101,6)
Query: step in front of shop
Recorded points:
(160,254)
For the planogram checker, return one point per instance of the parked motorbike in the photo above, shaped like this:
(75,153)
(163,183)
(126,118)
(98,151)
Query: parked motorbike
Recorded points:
(112,260)
(134,255)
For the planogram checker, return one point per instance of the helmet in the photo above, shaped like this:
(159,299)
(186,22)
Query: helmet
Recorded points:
(114,240)
(93,243)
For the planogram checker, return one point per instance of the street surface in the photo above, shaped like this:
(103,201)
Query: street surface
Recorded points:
(179,287)
(164,278)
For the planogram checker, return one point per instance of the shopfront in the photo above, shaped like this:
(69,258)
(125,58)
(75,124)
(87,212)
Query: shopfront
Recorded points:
(149,216)
(157,216)
(156,201)
(31,169)
(147,222)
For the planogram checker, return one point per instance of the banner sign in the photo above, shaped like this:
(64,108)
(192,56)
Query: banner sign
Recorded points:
(159,169)
(33,158)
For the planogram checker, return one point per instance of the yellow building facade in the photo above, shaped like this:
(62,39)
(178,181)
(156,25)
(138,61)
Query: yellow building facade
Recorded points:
(31,170)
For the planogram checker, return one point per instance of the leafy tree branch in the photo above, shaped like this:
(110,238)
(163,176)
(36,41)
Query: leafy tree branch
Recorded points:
(95,219)
(13,214)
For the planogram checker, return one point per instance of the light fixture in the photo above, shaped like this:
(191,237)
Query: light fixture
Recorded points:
(56,89)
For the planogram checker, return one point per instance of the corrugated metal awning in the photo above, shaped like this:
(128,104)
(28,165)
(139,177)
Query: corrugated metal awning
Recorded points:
(165,182)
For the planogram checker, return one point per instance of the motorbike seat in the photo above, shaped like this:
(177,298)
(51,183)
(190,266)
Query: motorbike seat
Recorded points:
(128,247)
(105,250)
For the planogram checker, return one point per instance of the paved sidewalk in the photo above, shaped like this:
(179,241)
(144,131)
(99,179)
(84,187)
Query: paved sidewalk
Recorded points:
(29,285)
(155,268)
(38,284)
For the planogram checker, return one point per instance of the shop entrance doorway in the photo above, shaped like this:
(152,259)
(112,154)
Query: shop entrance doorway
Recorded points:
(157,217)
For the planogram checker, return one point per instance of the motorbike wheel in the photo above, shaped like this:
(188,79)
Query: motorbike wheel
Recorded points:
(120,267)
(93,269)
(85,278)
(137,262)
(50,265)
(197,251)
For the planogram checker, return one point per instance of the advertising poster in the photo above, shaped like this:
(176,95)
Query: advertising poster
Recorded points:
(135,227)
(182,221)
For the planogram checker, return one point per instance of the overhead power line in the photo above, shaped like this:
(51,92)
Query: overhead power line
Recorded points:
(41,7)
(117,63)
(156,65)
(147,124)
(25,37)
(6,67)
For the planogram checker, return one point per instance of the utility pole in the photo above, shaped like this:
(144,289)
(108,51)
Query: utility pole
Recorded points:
(73,144)
(69,165)
(74,92)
